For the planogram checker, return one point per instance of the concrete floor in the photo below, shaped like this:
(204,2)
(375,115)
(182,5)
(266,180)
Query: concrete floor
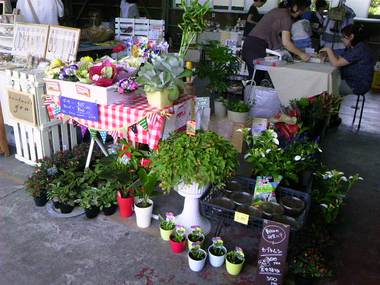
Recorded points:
(38,249)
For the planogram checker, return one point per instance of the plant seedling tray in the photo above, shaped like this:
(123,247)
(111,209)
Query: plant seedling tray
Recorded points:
(218,213)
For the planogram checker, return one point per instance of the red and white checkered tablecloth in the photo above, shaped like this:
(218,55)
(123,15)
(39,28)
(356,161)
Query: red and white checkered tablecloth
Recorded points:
(118,118)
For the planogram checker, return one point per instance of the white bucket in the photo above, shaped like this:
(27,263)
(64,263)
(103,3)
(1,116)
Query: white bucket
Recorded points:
(197,265)
(216,261)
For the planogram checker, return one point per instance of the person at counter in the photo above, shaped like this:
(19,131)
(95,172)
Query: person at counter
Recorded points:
(273,32)
(129,9)
(41,11)
(253,16)
(356,62)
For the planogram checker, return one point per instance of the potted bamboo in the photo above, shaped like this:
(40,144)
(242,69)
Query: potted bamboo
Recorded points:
(189,164)
(217,252)
(197,257)
(195,236)
(177,239)
(234,261)
(167,225)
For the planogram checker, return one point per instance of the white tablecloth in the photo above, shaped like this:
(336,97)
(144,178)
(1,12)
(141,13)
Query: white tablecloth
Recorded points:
(294,81)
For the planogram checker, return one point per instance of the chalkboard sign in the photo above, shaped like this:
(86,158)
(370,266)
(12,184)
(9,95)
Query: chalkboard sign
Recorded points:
(80,109)
(272,253)
(22,106)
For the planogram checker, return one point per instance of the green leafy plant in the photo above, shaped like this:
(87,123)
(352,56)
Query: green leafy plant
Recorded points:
(238,106)
(205,158)
(310,263)
(168,223)
(145,187)
(236,256)
(196,234)
(107,196)
(196,252)
(193,22)
(220,64)
(66,188)
(217,247)
(178,234)
(90,197)
(163,74)
(330,192)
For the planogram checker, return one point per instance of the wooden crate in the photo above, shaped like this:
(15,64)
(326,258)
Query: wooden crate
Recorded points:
(128,27)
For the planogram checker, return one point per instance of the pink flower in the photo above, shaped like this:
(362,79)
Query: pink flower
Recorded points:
(145,162)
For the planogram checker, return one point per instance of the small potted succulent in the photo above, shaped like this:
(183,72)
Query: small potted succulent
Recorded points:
(108,203)
(90,201)
(238,111)
(178,239)
(197,257)
(146,188)
(167,225)
(234,261)
(217,252)
(195,236)
(162,80)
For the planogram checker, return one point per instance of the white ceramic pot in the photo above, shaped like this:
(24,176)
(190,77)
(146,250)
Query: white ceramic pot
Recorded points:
(237,117)
(197,265)
(143,215)
(220,109)
(216,261)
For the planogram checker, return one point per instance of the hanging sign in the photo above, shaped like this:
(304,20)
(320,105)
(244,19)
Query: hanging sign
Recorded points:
(272,253)
(22,106)
(80,109)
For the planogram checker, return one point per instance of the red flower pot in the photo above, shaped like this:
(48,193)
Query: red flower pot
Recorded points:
(125,206)
(177,247)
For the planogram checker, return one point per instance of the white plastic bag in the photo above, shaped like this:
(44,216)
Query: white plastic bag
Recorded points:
(264,101)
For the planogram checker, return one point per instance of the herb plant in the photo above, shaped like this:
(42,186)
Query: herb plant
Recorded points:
(204,158)
(236,256)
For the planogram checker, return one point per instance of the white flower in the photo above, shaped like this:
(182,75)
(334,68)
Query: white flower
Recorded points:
(360,178)
(344,178)
(297,158)
(262,154)
(324,205)
(319,150)
(350,177)
(247,155)
(268,150)
(276,141)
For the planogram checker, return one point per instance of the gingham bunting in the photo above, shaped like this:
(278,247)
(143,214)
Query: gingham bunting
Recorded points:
(93,133)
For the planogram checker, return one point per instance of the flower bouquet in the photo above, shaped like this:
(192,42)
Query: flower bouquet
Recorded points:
(127,85)
(103,74)
(82,73)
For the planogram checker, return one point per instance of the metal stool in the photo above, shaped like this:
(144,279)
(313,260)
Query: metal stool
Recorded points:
(356,109)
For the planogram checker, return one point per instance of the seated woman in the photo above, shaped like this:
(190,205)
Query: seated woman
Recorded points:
(356,62)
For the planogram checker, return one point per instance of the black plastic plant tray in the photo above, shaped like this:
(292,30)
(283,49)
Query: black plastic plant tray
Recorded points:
(220,214)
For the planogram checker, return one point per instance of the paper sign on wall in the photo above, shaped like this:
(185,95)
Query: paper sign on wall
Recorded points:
(22,106)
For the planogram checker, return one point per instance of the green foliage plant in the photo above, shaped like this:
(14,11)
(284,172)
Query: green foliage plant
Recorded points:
(238,106)
(205,158)
(66,188)
(236,256)
(217,247)
(168,223)
(145,187)
(196,252)
(178,234)
(310,263)
(107,197)
(196,234)
(90,197)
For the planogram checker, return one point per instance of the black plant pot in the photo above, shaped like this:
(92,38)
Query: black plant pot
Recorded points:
(65,208)
(299,280)
(92,212)
(40,201)
(56,204)
(110,210)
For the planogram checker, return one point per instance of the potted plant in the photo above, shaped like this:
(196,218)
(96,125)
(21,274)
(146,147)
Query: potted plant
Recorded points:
(177,239)
(107,200)
(145,188)
(125,201)
(197,257)
(36,186)
(90,201)
(189,164)
(167,225)
(234,261)
(309,266)
(217,252)
(238,111)
(195,236)
(162,80)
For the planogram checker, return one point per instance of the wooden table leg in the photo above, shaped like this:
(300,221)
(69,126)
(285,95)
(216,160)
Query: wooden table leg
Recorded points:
(3,136)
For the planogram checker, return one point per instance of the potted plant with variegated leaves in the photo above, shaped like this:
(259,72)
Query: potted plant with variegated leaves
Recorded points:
(197,257)
(195,236)
(178,239)
(217,252)
(167,225)
(234,261)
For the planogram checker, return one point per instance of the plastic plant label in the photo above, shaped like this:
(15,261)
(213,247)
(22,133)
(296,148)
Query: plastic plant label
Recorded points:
(191,128)
(241,218)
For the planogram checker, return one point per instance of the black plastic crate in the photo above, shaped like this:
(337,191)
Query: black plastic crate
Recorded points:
(220,214)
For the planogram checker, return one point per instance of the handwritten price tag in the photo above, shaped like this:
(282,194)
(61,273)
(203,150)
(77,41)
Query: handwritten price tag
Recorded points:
(241,218)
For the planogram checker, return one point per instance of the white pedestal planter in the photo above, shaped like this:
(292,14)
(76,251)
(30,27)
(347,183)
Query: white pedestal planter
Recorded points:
(190,215)
(237,117)
(143,215)
(216,261)
(197,265)
(220,109)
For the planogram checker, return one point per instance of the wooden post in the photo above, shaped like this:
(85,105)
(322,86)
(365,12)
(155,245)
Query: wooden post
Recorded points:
(3,136)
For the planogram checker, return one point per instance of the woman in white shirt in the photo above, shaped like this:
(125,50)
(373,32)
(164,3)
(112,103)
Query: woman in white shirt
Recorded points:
(129,9)
(41,11)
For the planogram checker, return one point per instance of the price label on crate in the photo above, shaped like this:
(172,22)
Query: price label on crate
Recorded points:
(241,218)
